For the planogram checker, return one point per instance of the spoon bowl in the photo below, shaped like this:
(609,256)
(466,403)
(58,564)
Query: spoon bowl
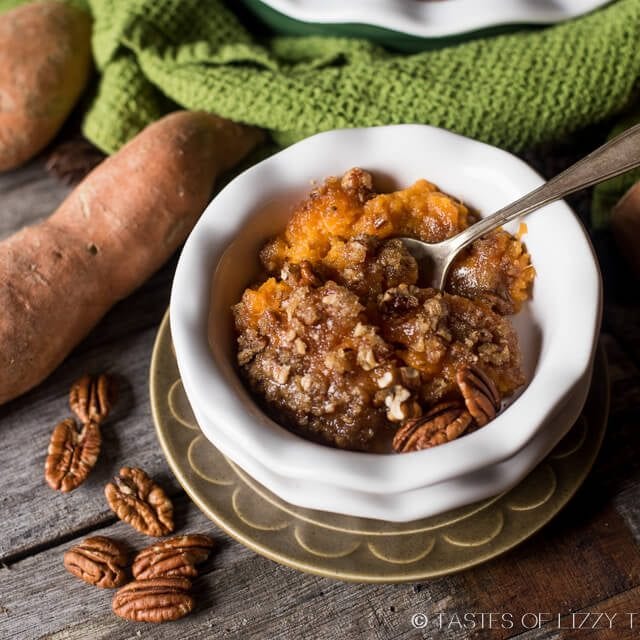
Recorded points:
(619,155)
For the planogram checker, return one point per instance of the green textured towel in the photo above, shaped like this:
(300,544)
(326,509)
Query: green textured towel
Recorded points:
(511,91)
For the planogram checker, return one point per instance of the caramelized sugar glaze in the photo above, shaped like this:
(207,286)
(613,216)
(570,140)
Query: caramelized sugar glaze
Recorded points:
(341,345)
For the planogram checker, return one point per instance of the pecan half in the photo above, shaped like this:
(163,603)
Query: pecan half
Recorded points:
(156,600)
(138,500)
(174,557)
(480,394)
(91,398)
(71,455)
(99,561)
(443,423)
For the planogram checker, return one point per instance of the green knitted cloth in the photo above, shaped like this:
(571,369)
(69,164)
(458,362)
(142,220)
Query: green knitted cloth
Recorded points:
(512,91)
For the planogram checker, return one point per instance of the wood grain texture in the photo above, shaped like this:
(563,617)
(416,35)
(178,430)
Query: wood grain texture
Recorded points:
(240,594)
(587,559)
(585,555)
(27,422)
(615,618)
(27,195)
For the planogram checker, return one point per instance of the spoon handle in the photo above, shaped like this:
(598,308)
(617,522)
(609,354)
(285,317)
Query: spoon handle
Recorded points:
(611,159)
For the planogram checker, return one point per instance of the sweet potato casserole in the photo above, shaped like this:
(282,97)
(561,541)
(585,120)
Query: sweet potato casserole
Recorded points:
(342,345)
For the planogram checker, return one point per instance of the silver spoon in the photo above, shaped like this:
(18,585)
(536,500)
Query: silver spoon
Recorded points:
(611,159)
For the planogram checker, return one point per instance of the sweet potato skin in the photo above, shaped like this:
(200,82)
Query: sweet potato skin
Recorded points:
(625,224)
(45,62)
(59,277)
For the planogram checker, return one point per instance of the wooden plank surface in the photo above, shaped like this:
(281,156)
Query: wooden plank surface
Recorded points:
(587,559)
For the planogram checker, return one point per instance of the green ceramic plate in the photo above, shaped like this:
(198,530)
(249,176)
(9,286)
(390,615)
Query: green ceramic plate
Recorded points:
(358,549)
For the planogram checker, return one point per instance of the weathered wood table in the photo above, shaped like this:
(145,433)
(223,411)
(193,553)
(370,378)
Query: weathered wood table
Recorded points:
(586,561)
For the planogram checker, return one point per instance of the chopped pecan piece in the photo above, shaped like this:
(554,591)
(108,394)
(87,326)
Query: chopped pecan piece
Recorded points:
(174,557)
(358,182)
(480,394)
(71,454)
(155,600)
(91,398)
(300,274)
(400,404)
(138,500)
(443,423)
(99,561)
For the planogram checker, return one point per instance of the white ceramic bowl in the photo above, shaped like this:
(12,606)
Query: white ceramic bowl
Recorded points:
(422,502)
(557,329)
(433,19)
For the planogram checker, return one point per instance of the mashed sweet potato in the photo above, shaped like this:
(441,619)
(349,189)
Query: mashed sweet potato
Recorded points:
(341,344)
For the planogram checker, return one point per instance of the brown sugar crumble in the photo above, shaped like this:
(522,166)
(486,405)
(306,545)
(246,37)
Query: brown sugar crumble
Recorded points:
(340,345)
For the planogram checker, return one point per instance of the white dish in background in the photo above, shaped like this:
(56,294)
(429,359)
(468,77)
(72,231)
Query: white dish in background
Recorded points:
(433,19)
(558,328)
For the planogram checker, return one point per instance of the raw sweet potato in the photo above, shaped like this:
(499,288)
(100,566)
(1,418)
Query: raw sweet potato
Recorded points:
(625,224)
(45,60)
(59,277)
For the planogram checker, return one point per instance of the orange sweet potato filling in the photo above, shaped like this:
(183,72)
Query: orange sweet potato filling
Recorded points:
(497,269)
(340,341)
(333,214)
